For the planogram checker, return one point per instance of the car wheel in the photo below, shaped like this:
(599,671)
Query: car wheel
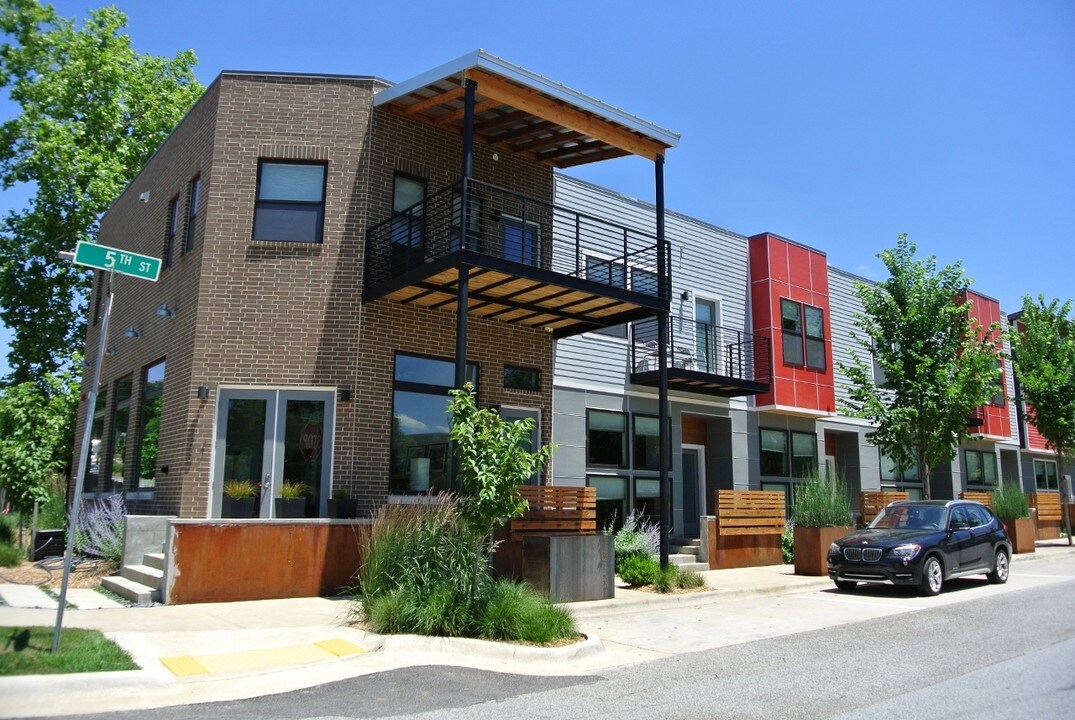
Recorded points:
(845,585)
(932,577)
(999,575)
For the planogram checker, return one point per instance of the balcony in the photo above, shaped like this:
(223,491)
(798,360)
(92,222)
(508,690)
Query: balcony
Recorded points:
(528,261)
(713,361)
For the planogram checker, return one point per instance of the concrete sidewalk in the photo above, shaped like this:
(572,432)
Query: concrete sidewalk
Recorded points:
(227,651)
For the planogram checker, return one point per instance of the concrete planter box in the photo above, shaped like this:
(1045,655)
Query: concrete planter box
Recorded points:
(570,568)
(812,548)
(1022,533)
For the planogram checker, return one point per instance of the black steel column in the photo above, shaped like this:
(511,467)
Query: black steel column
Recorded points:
(664,290)
(463,292)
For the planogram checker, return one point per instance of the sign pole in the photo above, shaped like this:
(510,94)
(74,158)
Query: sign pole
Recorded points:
(83,460)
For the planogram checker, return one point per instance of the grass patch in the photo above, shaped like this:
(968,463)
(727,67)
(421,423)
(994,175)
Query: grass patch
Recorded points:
(28,651)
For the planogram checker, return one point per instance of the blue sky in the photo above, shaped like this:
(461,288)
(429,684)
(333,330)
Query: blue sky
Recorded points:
(835,124)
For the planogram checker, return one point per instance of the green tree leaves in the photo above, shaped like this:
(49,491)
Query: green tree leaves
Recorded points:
(92,112)
(938,363)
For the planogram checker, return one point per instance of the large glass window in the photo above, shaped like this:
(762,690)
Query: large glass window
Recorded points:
(290,202)
(92,482)
(611,499)
(791,332)
(408,212)
(981,467)
(803,454)
(1045,475)
(420,423)
(152,396)
(121,417)
(606,438)
(648,499)
(647,443)
(521,241)
(194,189)
(774,452)
(815,337)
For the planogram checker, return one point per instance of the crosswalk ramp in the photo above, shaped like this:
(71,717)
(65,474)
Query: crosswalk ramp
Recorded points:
(33,596)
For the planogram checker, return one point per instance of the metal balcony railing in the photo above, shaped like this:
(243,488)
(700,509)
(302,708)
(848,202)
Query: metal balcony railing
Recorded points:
(713,350)
(510,227)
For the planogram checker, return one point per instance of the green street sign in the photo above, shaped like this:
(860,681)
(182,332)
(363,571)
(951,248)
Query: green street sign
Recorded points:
(116,260)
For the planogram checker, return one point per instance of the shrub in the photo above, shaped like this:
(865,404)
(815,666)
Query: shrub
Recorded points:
(637,535)
(787,544)
(100,529)
(664,581)
(52,513)
(1010,502)
(688,580)
(513,611)
(637,569)
(11,554)
(821,502)
(7,528)
(239,489)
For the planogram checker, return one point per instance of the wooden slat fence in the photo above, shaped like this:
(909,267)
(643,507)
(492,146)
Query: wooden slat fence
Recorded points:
(1048,505)
(750,512)
(978,496)
(556,509)
(872,502)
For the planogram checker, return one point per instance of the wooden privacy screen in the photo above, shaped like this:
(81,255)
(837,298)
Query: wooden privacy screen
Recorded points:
(556,509)
(1048,505)
(978,496)
(745,532)
(873,502)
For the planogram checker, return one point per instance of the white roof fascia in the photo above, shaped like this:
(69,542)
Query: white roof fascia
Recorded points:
(499,66)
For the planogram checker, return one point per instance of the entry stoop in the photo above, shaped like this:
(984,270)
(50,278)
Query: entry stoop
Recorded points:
(683,553)
(141,584)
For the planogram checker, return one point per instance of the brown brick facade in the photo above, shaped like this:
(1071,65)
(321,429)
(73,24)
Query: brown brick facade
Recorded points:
(289,315)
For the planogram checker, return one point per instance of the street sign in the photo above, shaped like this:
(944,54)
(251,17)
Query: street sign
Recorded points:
(103,257)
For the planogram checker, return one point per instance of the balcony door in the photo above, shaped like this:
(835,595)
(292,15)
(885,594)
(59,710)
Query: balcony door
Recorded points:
(707,345)
(269,436)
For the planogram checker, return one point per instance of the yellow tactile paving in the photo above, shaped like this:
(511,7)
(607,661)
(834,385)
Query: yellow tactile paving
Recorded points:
(187,665)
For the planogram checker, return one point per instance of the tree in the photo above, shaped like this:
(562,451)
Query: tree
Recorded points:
(938,364)
(493,463)
(36,434)
(1043,352)
(92,112)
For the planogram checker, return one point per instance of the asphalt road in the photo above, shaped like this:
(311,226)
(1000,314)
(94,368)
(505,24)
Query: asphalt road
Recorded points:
(976,652)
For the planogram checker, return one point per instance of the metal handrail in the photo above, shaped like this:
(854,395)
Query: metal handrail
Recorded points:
(713,349)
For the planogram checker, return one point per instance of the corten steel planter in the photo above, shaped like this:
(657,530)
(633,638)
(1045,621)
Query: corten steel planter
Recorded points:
(812,548)
(1022,533)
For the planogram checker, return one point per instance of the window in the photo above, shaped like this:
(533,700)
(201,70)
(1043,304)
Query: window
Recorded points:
(290,203)
(611,499)
(92,481)
(981,467)
(172,231)
(647,443)
(408,211)
(420,432)
(521,241)
(121,417)
(999,399)
(517,378)
(152,396)
(706,337)
(474,221)
(193,191)
(1045,475)
(774,452)
(892,470)
(609,273)
(803,348)
(606,438)
(803,454)
(880,377)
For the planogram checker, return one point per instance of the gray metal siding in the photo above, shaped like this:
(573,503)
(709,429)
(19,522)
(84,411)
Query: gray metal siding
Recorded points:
(843,304)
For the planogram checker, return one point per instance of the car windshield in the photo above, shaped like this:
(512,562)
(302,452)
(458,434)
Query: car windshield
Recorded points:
(910,517)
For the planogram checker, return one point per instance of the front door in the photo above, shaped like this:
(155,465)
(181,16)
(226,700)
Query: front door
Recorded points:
(269,437)
(693,489)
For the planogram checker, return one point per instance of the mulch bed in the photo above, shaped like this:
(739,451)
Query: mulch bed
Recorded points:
(49,573)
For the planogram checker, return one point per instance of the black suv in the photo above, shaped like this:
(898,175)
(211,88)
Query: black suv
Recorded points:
(923,543)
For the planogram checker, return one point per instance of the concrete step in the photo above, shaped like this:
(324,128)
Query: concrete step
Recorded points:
(685,541)
(154,560)
(136,592)
(691,550)
(680,558)
(144,574)
(694,566)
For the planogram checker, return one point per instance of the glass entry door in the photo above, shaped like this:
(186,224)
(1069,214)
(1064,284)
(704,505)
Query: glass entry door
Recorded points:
(693,489)
(268,437)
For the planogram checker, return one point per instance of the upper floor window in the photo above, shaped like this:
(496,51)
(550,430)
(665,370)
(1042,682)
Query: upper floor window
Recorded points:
(981,468)
(193,192)
(172,231)
(290,203)
(803,334)
(519,378)
(999,398)
(1045,475)
(408,205)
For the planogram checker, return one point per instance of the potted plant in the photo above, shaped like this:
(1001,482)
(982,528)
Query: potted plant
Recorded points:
(1010,504)
(292,500)
(341,506)
(239,496)
(821,514)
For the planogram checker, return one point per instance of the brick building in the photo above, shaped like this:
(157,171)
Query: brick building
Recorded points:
(329,245)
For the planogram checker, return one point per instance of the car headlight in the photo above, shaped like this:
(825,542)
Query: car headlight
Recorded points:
(834,549)
(907,552)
